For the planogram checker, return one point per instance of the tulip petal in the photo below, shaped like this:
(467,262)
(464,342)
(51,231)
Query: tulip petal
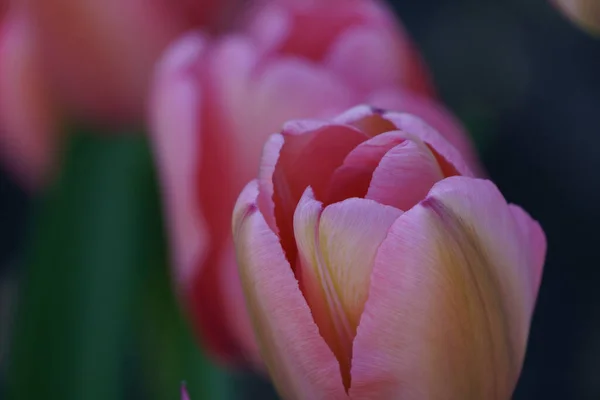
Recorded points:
(300,363)
(450,300)
(307,158)
(404,175)
(336,248)
(353,177)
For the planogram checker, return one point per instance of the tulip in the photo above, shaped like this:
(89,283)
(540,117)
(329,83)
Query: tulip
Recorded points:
(585,13)
(376,266)
(213,106)
(28,121)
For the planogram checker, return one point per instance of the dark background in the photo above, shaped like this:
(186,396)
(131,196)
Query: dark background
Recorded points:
(525,82)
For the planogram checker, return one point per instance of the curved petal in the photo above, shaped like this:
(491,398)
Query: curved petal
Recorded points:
(307,159)
(298,359)
(404,175)
(353,177)
(336,249)
(450,300)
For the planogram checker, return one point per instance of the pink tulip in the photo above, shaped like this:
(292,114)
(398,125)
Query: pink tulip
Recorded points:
(28,122)
(585,13)
(99,55)
(375,266)
(214,105)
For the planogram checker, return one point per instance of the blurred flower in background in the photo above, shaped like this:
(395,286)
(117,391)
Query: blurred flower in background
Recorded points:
(585,13)
(215,102)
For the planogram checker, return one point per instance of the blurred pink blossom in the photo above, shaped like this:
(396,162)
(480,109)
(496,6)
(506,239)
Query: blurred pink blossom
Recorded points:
(214,103)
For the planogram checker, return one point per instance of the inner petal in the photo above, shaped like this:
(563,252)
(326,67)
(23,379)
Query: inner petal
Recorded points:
(336,248)
(307,159)
(404,175)
(353,177)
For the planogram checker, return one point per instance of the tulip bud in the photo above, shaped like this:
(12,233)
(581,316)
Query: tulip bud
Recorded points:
(375,266)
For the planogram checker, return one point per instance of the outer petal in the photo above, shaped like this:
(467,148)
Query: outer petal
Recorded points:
(450,301)
(336,251)
(28,122)
(298,359)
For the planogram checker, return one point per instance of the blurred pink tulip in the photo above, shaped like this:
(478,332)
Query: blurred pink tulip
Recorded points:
(215,103)
(375,266)
(28,122)
(100,54)
(585,13)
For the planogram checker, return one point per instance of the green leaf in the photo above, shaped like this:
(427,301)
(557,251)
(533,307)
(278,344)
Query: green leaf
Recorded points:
(94,274)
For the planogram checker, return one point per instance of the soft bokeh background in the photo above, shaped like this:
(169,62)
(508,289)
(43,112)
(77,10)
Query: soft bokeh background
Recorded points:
(86,310)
